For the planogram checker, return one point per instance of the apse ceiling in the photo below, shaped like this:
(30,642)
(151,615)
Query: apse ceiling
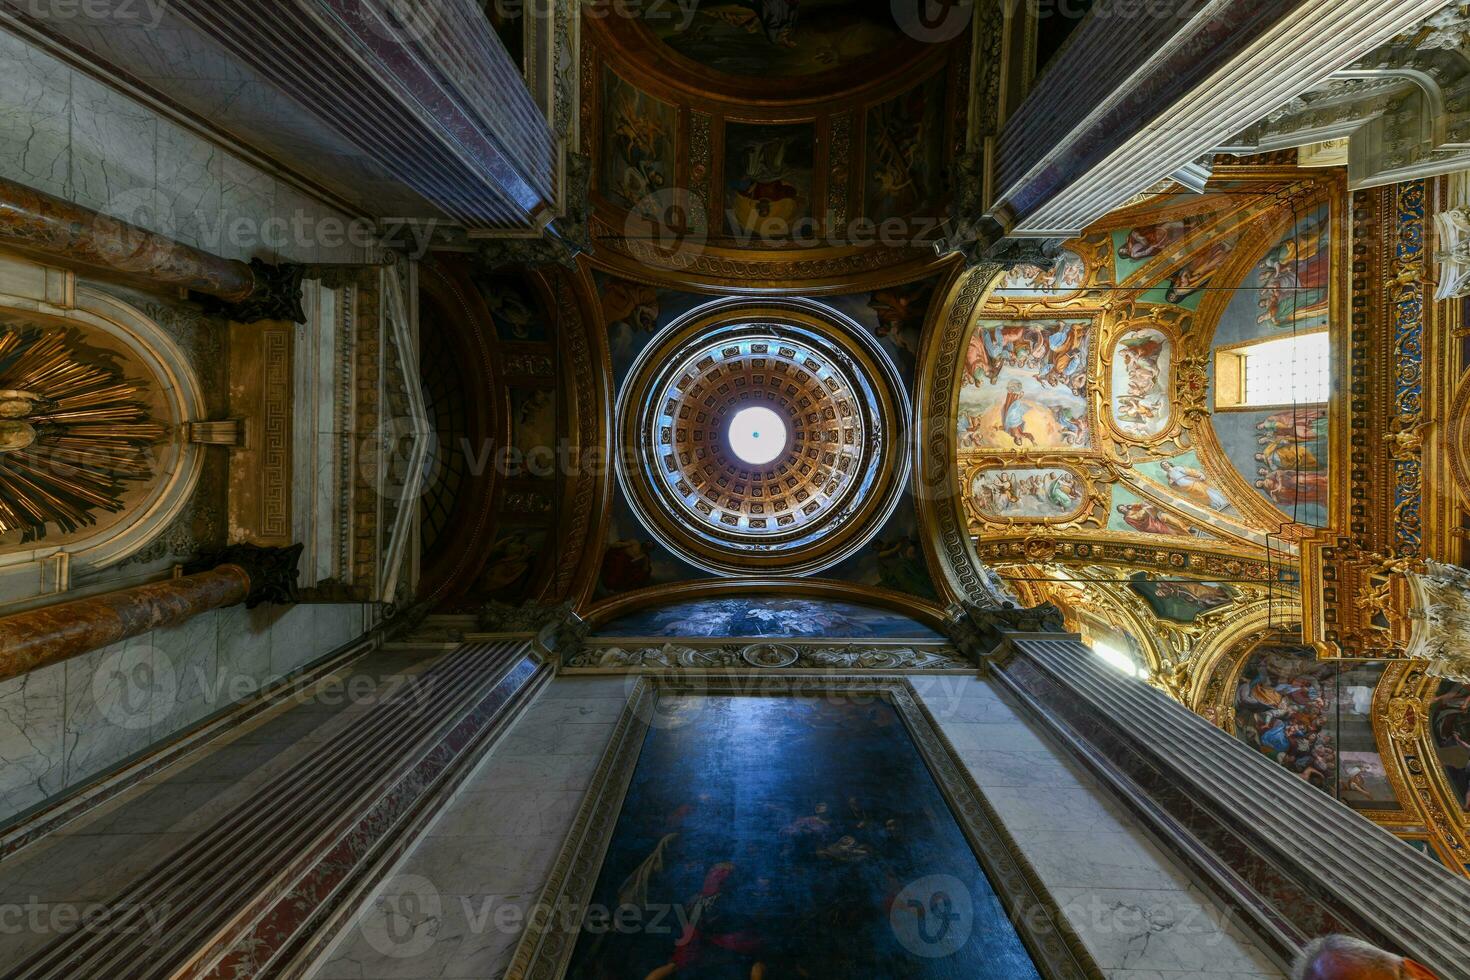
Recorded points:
(1110,459)
(743,138)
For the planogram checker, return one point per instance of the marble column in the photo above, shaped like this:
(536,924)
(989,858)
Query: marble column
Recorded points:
(52,229)
(1292,861)
(50,634)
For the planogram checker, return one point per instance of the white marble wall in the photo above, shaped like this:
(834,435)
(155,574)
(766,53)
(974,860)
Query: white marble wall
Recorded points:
(62,725)
(67,134)
(1139,914)
(456,907)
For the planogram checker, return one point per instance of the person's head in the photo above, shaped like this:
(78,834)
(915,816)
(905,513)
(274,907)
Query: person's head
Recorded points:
(1346,958)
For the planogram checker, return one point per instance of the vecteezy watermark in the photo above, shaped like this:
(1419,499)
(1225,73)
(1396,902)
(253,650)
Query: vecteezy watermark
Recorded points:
(299,231)
(933,917)
(676,13)
(35,917)
(675,222)
(932,21)
(405,918)
(134,684)
(134,13)
(402,21)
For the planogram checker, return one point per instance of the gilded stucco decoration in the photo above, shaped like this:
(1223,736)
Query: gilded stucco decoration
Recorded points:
(1087,423)
(78,424)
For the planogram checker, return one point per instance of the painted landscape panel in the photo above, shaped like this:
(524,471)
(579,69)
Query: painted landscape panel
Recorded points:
(791,837)
(1024,385)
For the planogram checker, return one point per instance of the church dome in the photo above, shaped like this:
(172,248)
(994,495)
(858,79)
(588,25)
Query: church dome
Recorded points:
(763,437)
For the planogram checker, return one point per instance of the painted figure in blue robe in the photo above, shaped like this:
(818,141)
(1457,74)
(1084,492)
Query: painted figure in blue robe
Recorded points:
(1013,415)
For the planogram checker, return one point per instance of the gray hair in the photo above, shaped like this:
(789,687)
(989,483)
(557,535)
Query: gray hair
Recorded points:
(1346,950)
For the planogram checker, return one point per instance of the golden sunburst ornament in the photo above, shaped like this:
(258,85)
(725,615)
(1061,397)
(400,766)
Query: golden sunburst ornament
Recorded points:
(73,432)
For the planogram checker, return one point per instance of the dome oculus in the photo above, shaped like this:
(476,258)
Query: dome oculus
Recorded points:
(757,435)
(763,439)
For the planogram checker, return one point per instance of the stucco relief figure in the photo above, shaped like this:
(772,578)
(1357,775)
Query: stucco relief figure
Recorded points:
(1441,620)
(1452,233)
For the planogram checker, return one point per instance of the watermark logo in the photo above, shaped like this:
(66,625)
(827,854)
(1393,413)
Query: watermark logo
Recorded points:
(405,918)
(401,21)
(405,443)
(933,917)
(139,13)
(933,21)
(134,684)
(144,208)
(673,220)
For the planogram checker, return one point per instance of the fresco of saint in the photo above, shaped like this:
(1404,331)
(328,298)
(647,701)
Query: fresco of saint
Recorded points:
(1025,385)
(1290,461)
(638,145)
(1294,277)
(1191,483)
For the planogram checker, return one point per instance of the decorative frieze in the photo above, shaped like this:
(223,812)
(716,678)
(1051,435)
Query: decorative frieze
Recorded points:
(767,655)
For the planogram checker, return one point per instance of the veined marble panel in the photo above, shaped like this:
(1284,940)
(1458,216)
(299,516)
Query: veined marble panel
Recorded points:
(1137,912)
(67,134)
(114,162)
(64,725)
(35,108)
(31,761)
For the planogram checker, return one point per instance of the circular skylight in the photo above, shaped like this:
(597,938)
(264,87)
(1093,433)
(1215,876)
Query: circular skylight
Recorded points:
(762,439)
(757,435)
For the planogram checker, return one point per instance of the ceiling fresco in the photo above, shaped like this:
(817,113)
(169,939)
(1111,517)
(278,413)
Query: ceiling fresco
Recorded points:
(501,491)
(783,38)
(845,161)
(1088,403)
(1258,559)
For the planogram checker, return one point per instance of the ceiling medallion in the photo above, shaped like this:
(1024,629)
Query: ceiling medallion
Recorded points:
(763,438)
